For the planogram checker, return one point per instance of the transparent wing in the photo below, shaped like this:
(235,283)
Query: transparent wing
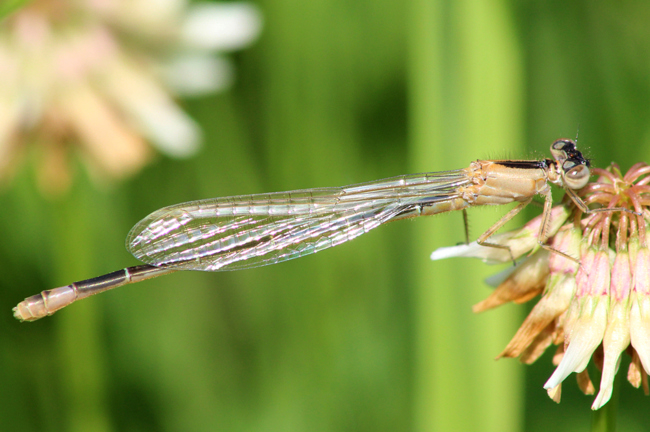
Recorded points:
(254,230)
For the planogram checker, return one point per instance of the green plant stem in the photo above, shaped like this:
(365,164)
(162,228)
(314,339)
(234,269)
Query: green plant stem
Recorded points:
(604,419)
(465,96)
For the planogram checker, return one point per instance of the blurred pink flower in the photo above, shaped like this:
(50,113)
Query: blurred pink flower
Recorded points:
(98,77)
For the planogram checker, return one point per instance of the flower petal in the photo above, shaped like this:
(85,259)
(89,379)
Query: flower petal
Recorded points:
(555,393)
(117,150)
(537,347)
(617,334)
(152,110)
(221,26)
(527,281)
(636,375)
(9,121)
(520,241)
(616,340)
(640,308)
(586,336)
(586,318)
(197,74)
(472,250)
(559,293)
(584,383)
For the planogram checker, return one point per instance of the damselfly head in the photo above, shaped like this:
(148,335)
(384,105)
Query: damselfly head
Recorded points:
(574,166)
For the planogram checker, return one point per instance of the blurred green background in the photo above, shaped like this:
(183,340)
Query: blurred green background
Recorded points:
(371,335)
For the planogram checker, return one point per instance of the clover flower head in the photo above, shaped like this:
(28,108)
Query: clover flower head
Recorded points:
(593,307)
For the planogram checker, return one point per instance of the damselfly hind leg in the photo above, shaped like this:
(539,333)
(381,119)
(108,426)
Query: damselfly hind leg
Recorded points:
(482,240)
(542,235)
(466,225)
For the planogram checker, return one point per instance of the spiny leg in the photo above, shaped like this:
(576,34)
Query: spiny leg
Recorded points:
(585,209)
(466,225)
(543,235)
(482,240)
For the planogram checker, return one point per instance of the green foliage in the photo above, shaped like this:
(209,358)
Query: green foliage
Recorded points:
(368,336)
(9,6)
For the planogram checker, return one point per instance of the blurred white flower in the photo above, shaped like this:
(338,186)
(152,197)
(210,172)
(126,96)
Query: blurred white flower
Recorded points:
(99,76)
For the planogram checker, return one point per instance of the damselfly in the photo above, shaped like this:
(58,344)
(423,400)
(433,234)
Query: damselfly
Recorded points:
(254,230)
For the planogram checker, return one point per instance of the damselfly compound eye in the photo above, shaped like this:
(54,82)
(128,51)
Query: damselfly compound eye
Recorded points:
(560,147)
(563,144)
(575,176)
